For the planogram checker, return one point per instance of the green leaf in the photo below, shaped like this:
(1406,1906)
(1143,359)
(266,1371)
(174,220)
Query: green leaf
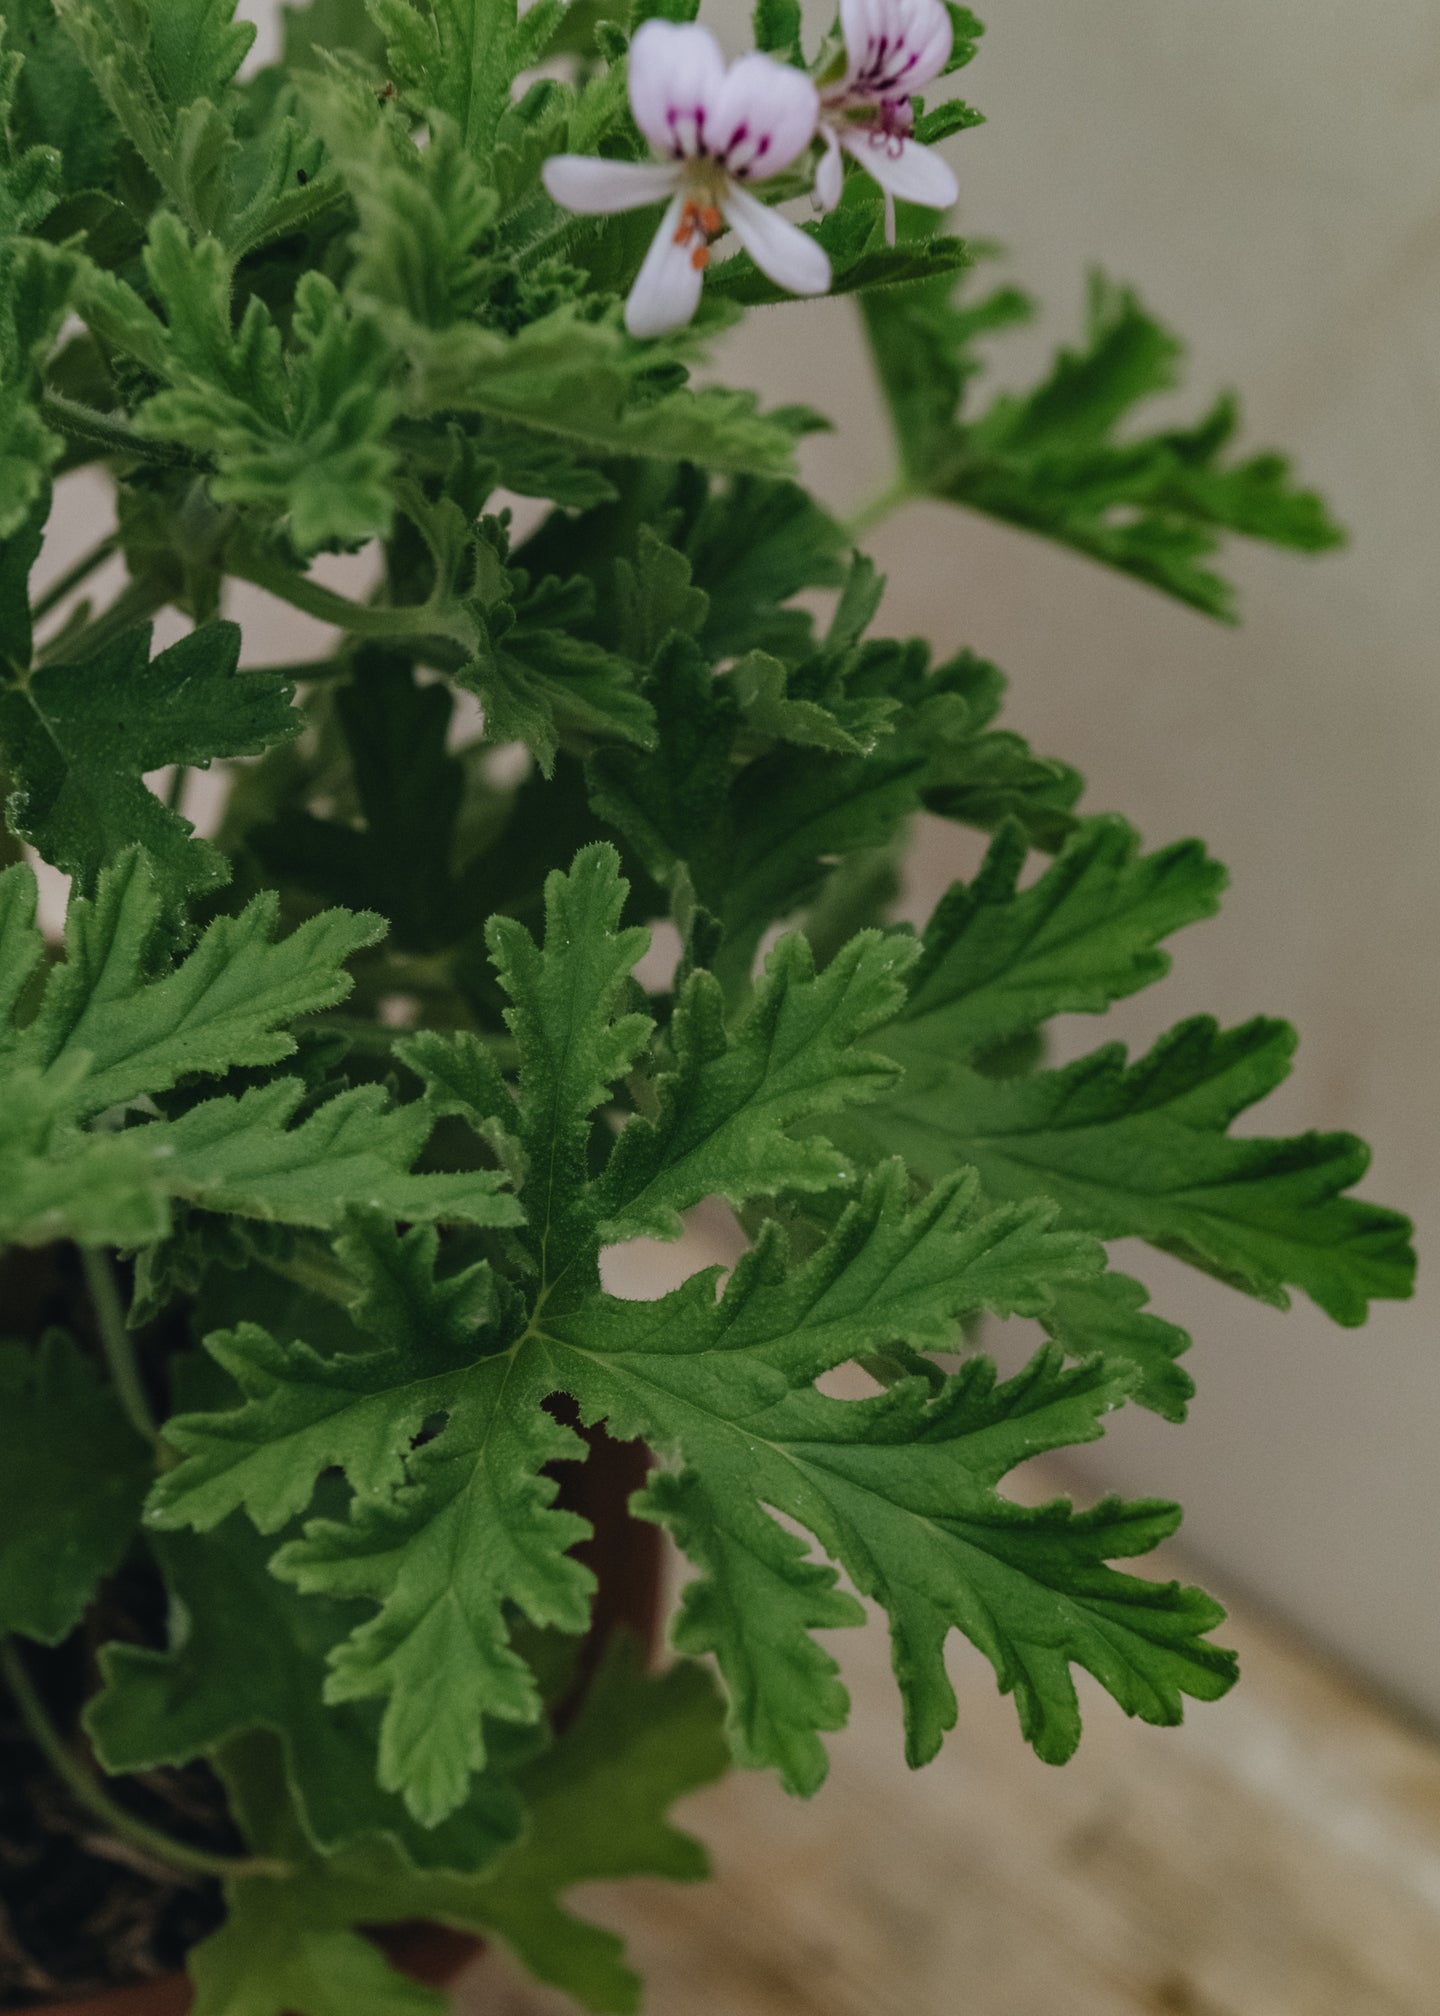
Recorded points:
(981,775)
(423,212)
(1108,1318)
(753,843)
(55,103)
(354,1151)
(304,430)
(138,1029)
(754,546)
(884,1275)
(997,961)
(728,1107)
(270,1958)
(196,47)
(78,740)
(457,58)
(463,1081)
(587,384)
(597,1804)
(657,597)
(165,68)
(1061,461)
(472,1535)
(28,175)
(537,679)
(305,1412)
(777,28)
(73,1474)
(35,287)
(250,1654)
(1144,1151)
(572,1043)
(114,1026)
(899,1488)
(57,1184)
(308,28)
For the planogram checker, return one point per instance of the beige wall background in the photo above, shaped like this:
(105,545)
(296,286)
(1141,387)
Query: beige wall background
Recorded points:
(1269,176)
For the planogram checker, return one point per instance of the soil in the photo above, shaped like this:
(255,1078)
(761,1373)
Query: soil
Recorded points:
(79,1910)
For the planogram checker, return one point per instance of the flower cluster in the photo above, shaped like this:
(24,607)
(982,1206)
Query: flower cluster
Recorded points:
(717,131)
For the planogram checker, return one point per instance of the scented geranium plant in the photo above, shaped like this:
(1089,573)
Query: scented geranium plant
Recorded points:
(554,900)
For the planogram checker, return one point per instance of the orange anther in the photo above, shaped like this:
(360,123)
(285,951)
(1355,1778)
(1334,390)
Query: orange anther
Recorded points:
(700,258)
(710,221)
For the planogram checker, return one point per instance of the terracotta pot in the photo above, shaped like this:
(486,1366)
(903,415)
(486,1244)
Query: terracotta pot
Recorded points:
(625,1556)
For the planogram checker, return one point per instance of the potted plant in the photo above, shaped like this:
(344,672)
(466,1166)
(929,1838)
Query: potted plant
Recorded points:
(313,1131)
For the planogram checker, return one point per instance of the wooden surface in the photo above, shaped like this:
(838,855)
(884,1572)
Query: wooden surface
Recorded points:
(1278,1856)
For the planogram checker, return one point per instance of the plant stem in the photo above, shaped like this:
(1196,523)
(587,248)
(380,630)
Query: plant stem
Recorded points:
(362,619)
(879,507)
(92,1794)
(113,437)
(175,795)
(73,576)
(116,1342)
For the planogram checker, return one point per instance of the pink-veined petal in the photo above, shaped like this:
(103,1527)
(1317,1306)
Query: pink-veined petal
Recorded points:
(676,75)
(830,172)
(765,116)
(931,33)
(667,287)
(857,25)
(783,252)
(594,188)
(894,47)
(903,168)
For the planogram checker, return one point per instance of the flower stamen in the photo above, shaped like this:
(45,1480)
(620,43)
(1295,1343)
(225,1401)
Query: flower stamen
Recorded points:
(702,221)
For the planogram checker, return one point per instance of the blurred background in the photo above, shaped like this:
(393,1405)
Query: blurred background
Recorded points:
(1268,177)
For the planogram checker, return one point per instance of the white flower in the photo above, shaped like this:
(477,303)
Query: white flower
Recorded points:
(718,130)
(892,47)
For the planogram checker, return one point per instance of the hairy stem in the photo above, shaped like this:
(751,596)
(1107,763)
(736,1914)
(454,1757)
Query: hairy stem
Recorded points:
(113,437)
(92,1794)
(116,1342)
